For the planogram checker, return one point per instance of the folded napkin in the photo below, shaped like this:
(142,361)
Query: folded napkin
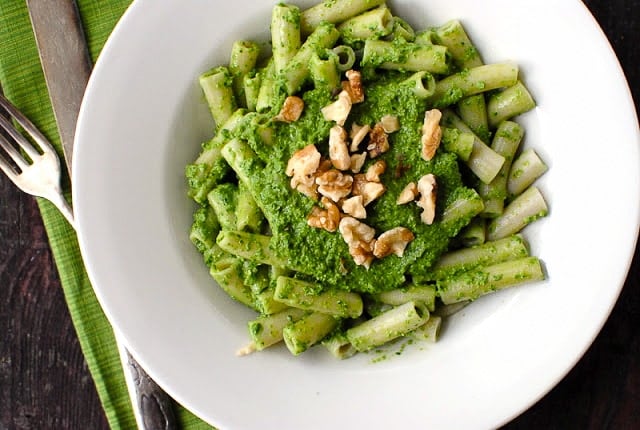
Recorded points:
(23,83)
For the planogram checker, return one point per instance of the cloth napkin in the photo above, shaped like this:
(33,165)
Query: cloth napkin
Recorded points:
(23,83)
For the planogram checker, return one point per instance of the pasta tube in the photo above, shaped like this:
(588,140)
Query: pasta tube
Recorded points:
(334,11)
(508,103)
(476,283)
(506,142)
(525,170)
(305,295)
(308,331)
(387,326)
(285,34)
(267,330)
(217,85)
(523,210)
(411,57)
(454,88)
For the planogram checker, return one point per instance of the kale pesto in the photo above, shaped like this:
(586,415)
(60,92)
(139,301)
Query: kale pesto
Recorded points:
(322,255)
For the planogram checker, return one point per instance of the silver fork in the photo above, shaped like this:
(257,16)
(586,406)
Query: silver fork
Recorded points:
(37,173)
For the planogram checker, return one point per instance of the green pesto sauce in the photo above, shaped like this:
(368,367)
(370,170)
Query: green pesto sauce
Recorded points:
(451,97)
(323,255)
(255,328)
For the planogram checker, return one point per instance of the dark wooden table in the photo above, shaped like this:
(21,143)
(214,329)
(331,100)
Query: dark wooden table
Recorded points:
(45,383)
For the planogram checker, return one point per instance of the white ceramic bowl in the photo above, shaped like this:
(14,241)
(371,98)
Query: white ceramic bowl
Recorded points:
(142,121)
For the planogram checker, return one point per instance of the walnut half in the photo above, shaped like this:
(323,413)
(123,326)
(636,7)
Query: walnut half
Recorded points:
(378,141)
(427,187)
(291,109)
(393,241)
(301,167)
(375,170)
(431,133)
(354,86)
(354,206)
(360,238)
(338,111)
(338,150)
(369,190)
(408,194)
(390,123)
(327,218)
(357,135)
(334,184)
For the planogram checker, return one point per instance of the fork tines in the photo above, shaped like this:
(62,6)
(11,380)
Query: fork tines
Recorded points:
(10,132)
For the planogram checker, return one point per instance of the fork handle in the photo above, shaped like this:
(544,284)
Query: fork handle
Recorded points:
(63,206)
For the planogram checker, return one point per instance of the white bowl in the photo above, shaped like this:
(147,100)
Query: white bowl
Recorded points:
(142,121)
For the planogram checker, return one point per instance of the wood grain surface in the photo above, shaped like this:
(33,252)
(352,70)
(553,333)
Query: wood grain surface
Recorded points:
(45,384)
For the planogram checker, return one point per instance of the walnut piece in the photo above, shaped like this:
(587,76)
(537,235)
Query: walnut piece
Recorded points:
(390,123)
(324,166)
(291,109)
(360,238)
(431,133)
(310,191)
(375,170)
(378,141)
(369,190)
(327,218)
(334,184)
(301,167)
(357,161)
(338,111)
(357,135)
(354,206)
(354,86)
(338,151)
(393,241)
(427,187)
(408,194)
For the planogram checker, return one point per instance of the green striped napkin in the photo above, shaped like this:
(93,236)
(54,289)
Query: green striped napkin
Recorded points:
(23,83)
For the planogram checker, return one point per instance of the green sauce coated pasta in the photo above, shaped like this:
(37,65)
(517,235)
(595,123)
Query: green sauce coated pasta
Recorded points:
(359,183)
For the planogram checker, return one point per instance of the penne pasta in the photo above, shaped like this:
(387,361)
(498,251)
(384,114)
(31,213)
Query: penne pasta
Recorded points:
(364,181)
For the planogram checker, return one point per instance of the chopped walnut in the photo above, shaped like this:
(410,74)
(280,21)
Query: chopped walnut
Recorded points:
(408,194)
(390,123)
(360,238)
(393,241)
(301,167)
(378,141)
(357,135)
(338,151)
(354,86)
(357,161)
(310,191)
(359,181)
(291,109)
(338,111)
(371,191)
(354,206)
(327,218)
(352,230)
(427,187)
(367,189)
(375,170)
(304,162)
(334,184)
(431,133)
(325,164)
